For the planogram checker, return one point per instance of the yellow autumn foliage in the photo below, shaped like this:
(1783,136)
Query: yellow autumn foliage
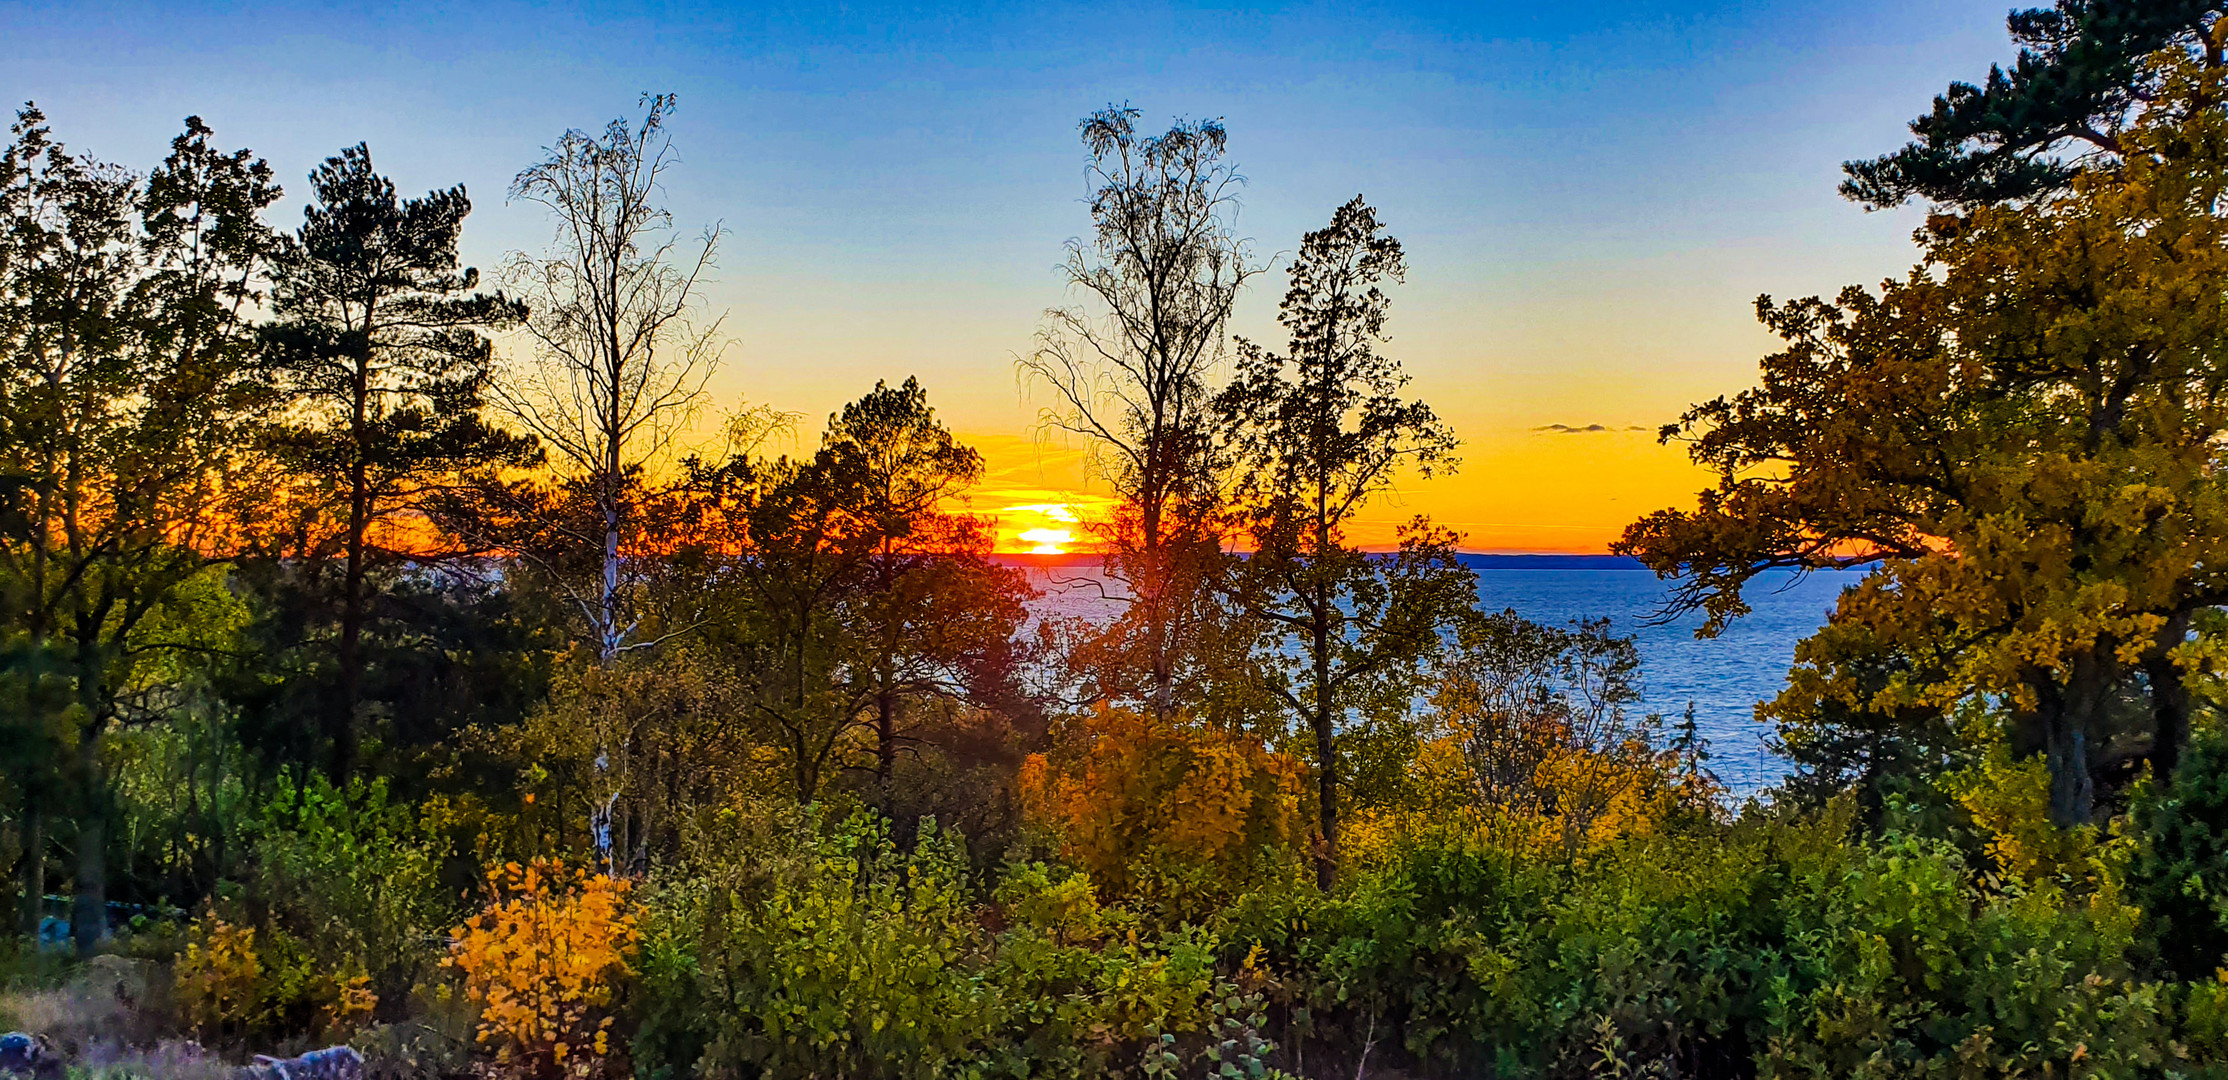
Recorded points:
(2010,802)
(1142,798)
(219,978)
(1575,802)
(235,984)
(544,962)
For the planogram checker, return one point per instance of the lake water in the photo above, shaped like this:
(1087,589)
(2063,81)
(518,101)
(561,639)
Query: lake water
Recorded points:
(1724,677)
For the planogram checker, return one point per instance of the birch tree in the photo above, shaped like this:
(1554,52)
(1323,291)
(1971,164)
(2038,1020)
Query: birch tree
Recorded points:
(621,347)
(1128,373)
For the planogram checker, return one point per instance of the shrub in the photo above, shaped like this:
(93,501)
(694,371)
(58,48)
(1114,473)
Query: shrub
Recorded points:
(219,979)
(851,964)
(545,961)
(838,953)
(236,985)
(355,880)
(1172,813)
(2180,872)
(1901,964)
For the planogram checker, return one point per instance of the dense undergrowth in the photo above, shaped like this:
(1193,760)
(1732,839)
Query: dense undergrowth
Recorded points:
(1771,942)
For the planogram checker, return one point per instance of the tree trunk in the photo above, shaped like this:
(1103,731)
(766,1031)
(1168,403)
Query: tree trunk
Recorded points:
(2169,700)
(1326,758)
(2069,726)
(341,721)
(1326,747)
(33,874)
(1326,793)
(607,601)
(885,745)
(89,915)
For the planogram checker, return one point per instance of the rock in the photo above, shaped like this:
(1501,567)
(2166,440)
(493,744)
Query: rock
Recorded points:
(331,1063)
(119,978)
(25,1054)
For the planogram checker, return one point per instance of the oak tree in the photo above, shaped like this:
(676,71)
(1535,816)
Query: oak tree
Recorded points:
(2023,432)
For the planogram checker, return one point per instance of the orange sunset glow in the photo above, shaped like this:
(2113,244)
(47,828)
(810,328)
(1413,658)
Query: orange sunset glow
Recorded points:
(1546,488)
(1043,539)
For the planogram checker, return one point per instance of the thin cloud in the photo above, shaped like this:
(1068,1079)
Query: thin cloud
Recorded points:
(1588,429)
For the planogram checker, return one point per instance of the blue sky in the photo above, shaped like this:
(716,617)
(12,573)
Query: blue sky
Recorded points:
(1591,195)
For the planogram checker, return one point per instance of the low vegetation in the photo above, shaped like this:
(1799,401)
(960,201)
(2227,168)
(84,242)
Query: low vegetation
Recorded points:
(362,685)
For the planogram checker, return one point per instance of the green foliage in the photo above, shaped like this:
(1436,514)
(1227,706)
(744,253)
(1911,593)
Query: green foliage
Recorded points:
(2180,874)
(837,953)
(1774,943)
(356,880)
(1899,965)
(855,967)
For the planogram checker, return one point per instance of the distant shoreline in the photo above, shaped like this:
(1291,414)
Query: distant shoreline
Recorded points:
(1475,560)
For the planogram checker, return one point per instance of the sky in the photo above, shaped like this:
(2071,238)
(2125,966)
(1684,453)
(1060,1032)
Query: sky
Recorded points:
(1590,197)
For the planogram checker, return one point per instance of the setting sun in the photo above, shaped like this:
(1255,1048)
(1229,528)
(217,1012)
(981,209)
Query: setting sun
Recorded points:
(1044,521)
(1047,541)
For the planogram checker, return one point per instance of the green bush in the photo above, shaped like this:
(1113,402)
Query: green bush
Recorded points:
(2180,873)
(352,878)
(1901,965)
(1771,946)
(838,954)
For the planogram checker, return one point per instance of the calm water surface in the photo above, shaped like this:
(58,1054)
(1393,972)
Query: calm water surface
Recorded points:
(1724,677)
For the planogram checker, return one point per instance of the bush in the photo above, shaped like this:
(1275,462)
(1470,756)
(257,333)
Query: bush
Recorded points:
(851,963)
(839,954)
(2180,873)
(1174,814)
(1899,964)
(357,882)
(236,986)
(1772,945)
(545,962)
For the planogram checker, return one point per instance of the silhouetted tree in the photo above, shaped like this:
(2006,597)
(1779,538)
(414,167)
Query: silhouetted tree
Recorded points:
(380,344)
(1129,373)
(1315,434)
(853,595)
